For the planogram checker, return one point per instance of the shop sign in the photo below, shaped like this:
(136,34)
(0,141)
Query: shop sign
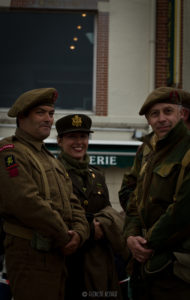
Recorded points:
(103,160)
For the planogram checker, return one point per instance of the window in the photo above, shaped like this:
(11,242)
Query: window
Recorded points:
(47,49)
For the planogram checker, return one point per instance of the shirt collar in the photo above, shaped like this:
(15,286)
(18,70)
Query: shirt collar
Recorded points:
(27,138)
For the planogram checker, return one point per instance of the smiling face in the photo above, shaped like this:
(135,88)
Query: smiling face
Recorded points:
(38,122)
(162,117)
(74,144)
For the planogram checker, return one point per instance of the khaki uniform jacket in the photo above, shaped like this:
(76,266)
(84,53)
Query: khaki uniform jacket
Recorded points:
(22,197)
(154,211)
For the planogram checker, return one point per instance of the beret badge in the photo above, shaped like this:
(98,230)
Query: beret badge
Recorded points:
(174,97)
(55,95)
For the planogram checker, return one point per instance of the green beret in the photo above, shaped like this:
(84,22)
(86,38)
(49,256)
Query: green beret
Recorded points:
(185,99)
(31,99)
(161,95)
(73,123)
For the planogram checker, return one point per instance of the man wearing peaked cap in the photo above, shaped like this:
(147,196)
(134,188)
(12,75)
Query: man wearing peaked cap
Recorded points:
(43,219)
(156,201)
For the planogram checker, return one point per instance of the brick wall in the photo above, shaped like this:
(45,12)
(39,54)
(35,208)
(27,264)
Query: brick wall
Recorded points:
(55,4)
(102,64)
(181,54)
(163,44)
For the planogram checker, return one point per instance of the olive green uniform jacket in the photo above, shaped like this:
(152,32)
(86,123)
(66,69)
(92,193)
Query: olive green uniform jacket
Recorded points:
(95,264)
(23,203)
(153,210)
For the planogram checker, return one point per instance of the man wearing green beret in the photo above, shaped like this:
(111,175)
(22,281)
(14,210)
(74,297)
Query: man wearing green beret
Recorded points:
(157,202)
(186,108)
(43,220)
(127,185)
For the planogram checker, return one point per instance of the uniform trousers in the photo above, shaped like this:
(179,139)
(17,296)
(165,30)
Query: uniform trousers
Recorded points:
(163,285)
(34,275)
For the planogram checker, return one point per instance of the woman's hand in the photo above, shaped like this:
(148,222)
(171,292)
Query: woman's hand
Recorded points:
(98,234)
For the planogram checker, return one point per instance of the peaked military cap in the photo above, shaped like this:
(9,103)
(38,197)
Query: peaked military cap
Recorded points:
(33,98)
(161,95)
(73,123)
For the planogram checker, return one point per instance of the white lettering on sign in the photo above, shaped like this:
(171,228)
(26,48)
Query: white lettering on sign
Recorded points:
(101,160)
(113,161)
(92,160)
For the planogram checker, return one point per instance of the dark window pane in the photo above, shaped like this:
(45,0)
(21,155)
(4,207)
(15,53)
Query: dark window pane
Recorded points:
(35,52)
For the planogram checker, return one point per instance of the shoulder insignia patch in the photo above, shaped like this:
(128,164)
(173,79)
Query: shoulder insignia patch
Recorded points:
(8,146)
(11,165)
(10,161)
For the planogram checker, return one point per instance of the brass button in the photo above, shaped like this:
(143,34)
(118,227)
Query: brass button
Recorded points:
(85,202)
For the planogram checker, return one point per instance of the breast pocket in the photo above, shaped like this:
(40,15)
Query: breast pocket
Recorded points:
(64,179)
(98,198)
(164,182)
(38,178)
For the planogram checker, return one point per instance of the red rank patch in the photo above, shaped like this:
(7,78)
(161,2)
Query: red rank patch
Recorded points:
(11,165)
(13,172)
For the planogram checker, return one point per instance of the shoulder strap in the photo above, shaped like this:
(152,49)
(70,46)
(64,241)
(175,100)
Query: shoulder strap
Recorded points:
(45,180)
(184,163)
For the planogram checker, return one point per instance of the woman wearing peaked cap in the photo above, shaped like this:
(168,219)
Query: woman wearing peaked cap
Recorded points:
(91,270)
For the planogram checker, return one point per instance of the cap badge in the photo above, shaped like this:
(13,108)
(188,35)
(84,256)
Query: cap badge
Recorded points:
(76,121)
(55,96)
(174,96)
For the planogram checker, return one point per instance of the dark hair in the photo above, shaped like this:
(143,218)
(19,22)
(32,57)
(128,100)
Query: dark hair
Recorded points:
(23,114)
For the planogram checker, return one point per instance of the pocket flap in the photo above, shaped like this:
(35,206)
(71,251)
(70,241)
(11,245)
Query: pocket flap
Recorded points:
(165,169)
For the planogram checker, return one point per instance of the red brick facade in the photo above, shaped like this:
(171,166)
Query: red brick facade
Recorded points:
(163,46)
(102,65)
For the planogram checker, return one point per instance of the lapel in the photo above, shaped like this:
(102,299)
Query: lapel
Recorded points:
(89,185)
